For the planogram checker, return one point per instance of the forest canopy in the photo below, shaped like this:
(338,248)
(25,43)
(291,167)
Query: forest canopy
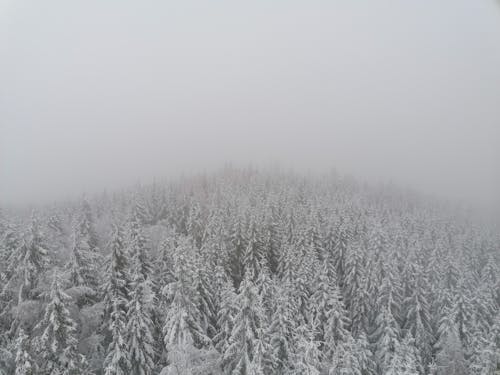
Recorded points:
(249,271)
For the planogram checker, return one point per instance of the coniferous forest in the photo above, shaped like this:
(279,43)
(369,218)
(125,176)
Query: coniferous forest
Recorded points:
(248,272)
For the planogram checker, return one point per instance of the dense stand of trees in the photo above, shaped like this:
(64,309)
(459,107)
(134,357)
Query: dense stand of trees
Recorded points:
(244,273)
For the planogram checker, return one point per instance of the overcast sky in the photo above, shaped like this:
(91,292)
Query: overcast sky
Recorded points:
(97,94)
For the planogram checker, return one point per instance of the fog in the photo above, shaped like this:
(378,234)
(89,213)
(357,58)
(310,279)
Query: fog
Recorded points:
(103,94)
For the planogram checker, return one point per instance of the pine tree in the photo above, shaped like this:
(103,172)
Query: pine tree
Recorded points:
(254,251)
(302,283)
(418,322)
(140,262)
(340,249)
(386,338)
(281,330)
(183,323)
(195,225)
(266,289)
(139,328)
(483,355)
(485,306)
(364,355)
(8,271)
(86,225)
(55,224)
(464,312)
(345,360)
(390,292)
(156,206)
(336,325)
(10,242)
(225,317)
(29,260)
(286,264)
(116,306)
(117,361)
(288,229)
(83,264)
(263,361)
(321,302)
(25,365)
(58,344)
(410,356)
(328,312)
(355,291)
(117,285)
(206,301)
(307,356)
(272,242)
(239,354)
(450,359)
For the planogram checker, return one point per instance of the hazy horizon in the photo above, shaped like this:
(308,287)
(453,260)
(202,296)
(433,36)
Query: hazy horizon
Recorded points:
(101,95)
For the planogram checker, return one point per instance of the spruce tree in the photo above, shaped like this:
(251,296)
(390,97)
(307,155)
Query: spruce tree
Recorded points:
(9,243)
(328,312)
(240,353)
(183,324)
(139,328)
(24,364)
(140,261)
(238,246)
(254,251)
(386,338)
(116,306)
(58,343)
(450,359)
(418,321)
(117,361)
(29,260)
(225,317)
(307,355)
(272,241)
(86,225)
(117,285)
(345,360)
(83,264)
(281,330)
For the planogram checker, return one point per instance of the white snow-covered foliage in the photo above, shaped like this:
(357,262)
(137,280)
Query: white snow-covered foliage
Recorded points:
(25,364)
(57,344)
(247,272)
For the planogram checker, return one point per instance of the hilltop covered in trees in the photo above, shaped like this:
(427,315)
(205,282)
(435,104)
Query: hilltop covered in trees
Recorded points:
(247,272)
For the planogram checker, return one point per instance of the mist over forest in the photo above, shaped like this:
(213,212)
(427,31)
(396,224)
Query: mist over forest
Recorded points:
(249,188)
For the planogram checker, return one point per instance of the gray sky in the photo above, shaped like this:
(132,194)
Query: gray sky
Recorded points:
(98,94)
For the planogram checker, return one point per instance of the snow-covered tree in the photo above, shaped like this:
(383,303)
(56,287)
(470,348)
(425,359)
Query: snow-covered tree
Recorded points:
(117,285)
(281,330)
(83,266)
(86,225)
(116,306)
(183,323)
(139,328)
(307,355)
(29,260)
(225,317)
(240,352)
(25,365)
(450,358)
(386,339)
(58,344)
(418,321)
(117,361)
(140,259)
